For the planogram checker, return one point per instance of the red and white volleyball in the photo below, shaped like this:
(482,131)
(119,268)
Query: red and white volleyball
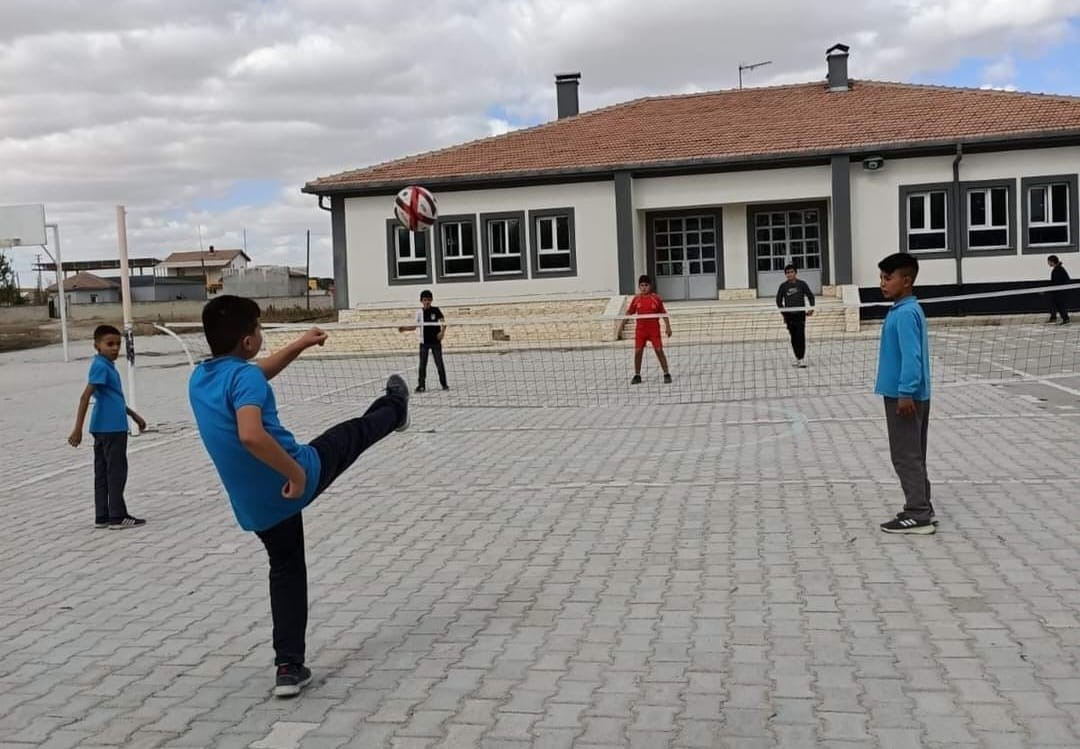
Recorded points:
(415,208)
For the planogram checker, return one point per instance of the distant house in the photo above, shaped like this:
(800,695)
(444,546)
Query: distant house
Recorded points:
(209,264)
(261,282)
(86,288)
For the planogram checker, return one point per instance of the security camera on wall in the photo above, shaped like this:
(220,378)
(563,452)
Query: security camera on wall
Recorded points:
(873,163)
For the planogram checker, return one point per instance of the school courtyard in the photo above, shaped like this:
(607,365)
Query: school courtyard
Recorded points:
(624,575)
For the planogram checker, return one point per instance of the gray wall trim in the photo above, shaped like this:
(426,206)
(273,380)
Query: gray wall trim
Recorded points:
(391,257)
(520,216)
(437,236)
(755,208)
(673,167)
(965,238)
(534,243)
(717,212)
(341,253)
(952,219)
(624,231)
(1074,224)
(841,216)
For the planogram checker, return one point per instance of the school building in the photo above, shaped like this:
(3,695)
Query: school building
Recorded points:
(714,193)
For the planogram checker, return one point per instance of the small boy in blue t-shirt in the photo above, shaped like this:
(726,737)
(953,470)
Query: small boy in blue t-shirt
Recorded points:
(109,427)
(269,476)
(903,380)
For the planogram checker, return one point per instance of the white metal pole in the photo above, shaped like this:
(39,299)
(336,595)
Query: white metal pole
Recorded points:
(125,291)
(61,292)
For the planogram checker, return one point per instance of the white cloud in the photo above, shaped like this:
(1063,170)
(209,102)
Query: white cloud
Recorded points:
(166,106)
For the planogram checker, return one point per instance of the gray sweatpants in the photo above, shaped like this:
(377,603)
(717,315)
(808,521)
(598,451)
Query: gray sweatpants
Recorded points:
(907,447)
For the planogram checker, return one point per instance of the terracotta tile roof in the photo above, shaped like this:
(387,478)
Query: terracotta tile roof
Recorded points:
(86,282)
(733,125)
(217,257)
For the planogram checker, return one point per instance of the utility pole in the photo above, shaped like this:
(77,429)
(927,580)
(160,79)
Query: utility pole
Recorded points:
(749,67)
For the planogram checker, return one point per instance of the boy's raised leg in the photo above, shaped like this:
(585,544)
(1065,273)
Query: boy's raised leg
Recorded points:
(340,445)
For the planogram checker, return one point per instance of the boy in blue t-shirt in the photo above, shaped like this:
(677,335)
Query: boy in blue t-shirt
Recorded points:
(269,476)
(109,427)
(903,380)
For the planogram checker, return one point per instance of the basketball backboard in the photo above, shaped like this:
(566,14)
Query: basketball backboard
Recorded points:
(22,225)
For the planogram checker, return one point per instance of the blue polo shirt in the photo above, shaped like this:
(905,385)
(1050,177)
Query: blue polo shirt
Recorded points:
(110,411)
(217,389)
(904,353)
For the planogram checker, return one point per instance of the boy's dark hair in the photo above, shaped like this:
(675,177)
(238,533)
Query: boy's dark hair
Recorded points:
(103,330)
(789,266)
(1053,259)
(426,294)
(644,278)
(226,320)
(904,262)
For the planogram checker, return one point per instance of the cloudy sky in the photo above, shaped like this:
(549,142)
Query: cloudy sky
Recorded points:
(209,115)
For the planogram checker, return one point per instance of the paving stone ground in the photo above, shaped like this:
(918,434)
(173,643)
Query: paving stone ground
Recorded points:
(624,576)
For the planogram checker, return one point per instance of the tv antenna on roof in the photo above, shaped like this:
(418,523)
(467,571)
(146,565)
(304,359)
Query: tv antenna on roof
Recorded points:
(751,66)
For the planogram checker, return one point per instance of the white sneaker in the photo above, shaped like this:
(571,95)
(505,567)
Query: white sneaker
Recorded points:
(801,364)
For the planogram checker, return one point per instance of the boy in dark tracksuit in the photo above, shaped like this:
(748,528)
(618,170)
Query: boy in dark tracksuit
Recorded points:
(795,293)
(903,380)
(1059,300)
(430,328)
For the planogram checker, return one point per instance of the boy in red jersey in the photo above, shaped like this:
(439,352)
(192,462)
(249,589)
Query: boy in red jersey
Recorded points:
(647,302)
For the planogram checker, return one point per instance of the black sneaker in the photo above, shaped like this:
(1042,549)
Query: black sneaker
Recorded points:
(933,517)
(126,522)
(396,388)
(907,524)
(667,378)
(635,380)
(1051,321)
(99,523)
(1063,322)
(291,678)
(420,388)
(445,387)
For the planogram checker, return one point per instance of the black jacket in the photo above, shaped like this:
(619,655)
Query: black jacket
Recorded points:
(794,294)
(1059,274)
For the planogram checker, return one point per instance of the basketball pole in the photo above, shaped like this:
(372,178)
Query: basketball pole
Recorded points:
(125,291)
(61,291)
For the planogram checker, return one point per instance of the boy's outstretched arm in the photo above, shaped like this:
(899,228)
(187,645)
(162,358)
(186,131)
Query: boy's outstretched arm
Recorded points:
(254,438)
(75,438)
(272,365)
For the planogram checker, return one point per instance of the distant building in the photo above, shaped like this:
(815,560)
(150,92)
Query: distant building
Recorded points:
(265,281)
(210,264)
(86,288)
(166,288)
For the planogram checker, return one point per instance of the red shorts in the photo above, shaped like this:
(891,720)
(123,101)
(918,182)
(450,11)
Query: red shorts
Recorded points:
(643,335)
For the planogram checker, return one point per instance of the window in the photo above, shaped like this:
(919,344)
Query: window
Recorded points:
(1049,213)
(503,245)
(552,245)
(788,236)
(457,248)
(408,260)
(988,217)
(927,221)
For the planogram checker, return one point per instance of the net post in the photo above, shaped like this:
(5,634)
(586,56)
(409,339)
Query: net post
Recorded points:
(125,291)
(61,295)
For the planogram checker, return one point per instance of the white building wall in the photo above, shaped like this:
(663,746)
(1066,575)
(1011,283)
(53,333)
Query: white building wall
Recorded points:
(733,192)
(594,231)
(876,218)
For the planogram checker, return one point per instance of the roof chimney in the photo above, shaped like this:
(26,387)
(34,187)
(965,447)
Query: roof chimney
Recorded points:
(837,56)
(566,92)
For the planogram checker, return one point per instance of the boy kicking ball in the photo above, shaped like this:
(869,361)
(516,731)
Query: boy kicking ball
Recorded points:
(903,380)
(270,477)
(647,330)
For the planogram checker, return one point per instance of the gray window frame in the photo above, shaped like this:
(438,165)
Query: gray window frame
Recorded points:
(534,243)
(952,219)
(460,218)
(717,214)
(486,248)
(1074,220)
(753,209)
(392,226)
(1010,210)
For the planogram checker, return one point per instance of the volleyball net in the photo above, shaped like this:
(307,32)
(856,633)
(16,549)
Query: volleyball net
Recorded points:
(715,354)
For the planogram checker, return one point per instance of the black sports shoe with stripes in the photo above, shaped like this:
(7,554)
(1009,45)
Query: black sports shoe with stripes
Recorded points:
(906,524)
